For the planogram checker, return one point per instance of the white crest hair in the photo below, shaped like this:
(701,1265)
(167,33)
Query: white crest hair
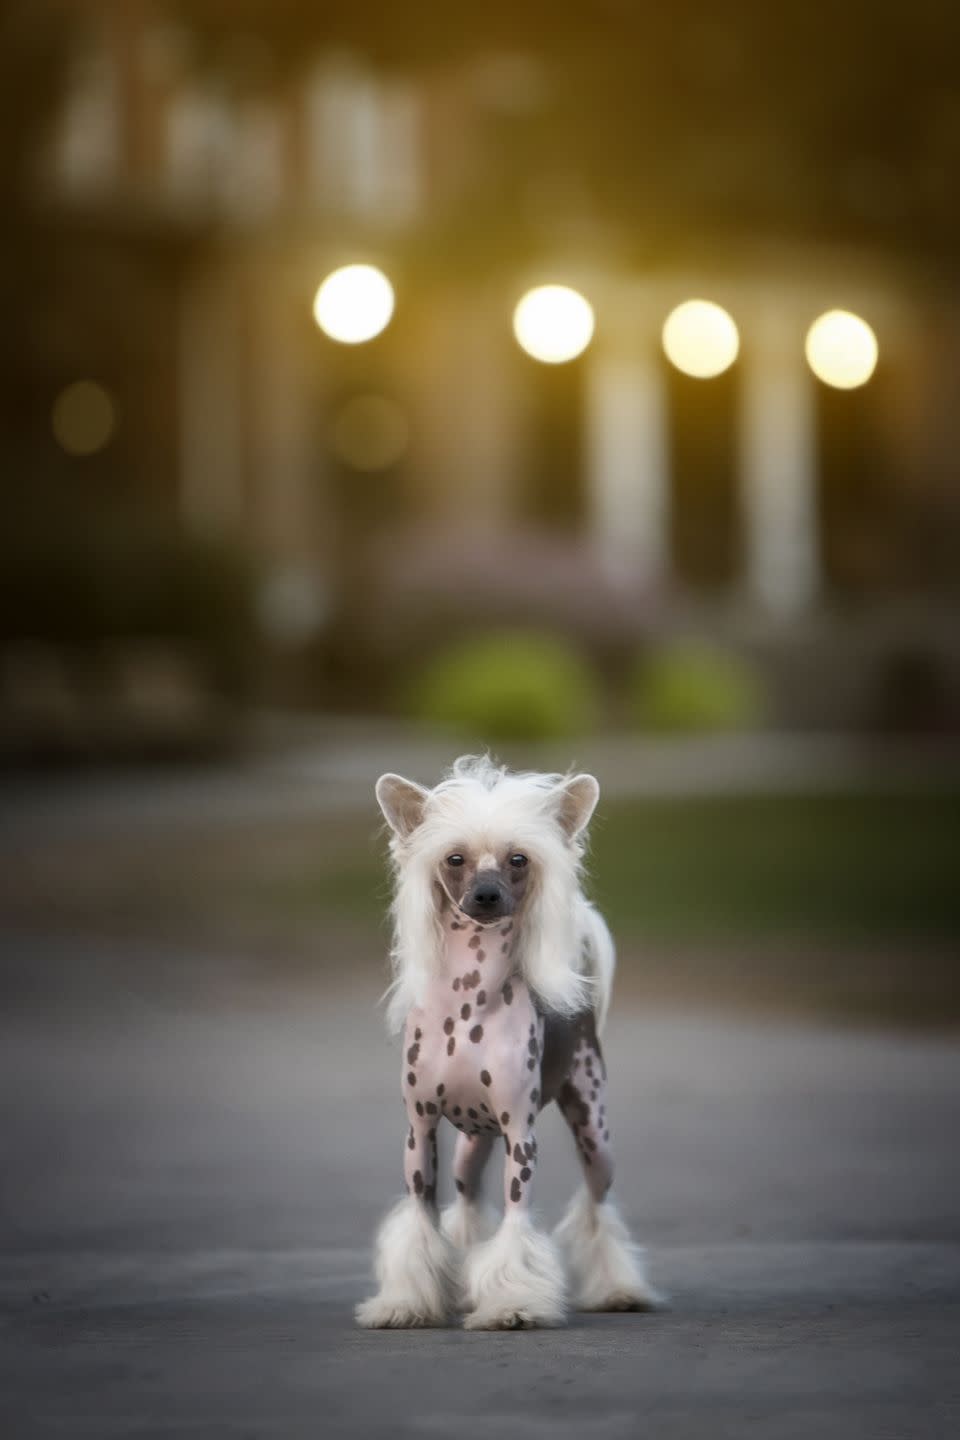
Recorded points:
(565,952)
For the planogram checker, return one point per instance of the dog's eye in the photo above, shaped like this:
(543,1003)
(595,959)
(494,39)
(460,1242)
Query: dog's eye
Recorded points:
(454,859)
(518,861)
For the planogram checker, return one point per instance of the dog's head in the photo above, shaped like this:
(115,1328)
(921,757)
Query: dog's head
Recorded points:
(493,844)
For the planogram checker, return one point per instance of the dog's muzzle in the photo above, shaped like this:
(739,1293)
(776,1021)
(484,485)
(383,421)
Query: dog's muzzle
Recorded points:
(487,898)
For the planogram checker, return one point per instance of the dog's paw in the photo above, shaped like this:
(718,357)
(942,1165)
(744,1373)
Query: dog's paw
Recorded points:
(382,1313)
(646,1299)
(505,1320)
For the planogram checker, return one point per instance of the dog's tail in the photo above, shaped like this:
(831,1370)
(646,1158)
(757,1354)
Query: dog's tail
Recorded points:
(601,960)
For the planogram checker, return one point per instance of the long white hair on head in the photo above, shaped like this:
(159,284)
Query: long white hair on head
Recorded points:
(561,951)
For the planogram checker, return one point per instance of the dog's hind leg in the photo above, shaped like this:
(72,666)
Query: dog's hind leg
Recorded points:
(604,1267)
(415,1263)
(467,1221)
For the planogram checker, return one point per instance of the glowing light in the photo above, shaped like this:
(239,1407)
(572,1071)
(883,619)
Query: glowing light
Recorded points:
(83,418)
(701,339)
(841,349)
(370,433)
(553,323)
(354,304)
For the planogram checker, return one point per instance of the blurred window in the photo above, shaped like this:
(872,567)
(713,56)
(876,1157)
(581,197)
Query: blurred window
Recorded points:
(88,146)
(363,143)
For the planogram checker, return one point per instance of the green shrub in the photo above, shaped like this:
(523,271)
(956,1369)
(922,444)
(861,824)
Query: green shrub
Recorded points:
(507,686)
(690,687)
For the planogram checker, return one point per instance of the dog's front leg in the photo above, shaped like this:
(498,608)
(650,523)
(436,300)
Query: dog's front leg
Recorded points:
(515,1279)
(414,1260)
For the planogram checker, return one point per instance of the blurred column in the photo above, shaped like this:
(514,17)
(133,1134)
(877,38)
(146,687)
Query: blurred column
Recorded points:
(628,466)
(778,470)
(211,405)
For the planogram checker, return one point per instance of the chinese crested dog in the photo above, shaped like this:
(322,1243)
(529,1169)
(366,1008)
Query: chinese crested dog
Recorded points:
(502,978)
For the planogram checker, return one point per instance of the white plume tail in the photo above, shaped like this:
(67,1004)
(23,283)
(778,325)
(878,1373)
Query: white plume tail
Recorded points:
(601,960)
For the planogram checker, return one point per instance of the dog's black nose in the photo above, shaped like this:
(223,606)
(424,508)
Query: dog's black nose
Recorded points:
(486,895)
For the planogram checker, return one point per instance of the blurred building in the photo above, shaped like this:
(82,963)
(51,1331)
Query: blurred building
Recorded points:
(196,208)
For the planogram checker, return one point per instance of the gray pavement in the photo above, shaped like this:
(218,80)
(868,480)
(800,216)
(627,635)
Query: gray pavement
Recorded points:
(195,1156)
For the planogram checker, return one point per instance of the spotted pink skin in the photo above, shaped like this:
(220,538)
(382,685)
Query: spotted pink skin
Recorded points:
(478,1053)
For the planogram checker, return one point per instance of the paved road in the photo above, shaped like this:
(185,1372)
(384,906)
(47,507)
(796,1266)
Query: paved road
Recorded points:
(194,1158)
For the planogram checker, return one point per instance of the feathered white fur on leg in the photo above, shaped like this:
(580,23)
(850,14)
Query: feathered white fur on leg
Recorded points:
(467,1222)
(514,1280)
(604,1266)
(415,1269)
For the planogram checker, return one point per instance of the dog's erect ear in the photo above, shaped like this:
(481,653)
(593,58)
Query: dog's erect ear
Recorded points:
(402,803)
(577,799)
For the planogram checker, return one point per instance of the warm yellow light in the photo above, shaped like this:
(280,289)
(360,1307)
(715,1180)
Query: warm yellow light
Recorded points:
(841,349)
(83,418)
(553,323)
(354,304)
(701,339)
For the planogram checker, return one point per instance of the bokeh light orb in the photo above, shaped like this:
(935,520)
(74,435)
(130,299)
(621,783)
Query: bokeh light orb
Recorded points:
(354,304)
(83,418)
(370,433)
(841,349)
(701,339)
(553,323)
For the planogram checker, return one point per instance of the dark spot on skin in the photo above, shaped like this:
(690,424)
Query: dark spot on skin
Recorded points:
(527,1148)
(474,1114)
(534,1096)
(440,1089)
(481,956)
(504,948)
(461,1188)
(451,1045)
(431,1109)
(532,1045)
(476,1034)
(530,1119)
(456,983)
(418,1033)
(411,1078)
(533,1028)
(518,1154)
(484,1106)
(419,1108)
(485,1078)
(455,925)
(515,1190)
(448,1025)
(507,992)
(481,997)
(417,1183)
(525,1173)
(410,1141)
(464,1012)
(474,941)
(606,1134)
(457,1110)
(530,1063)
(505,1118)
(412,1054)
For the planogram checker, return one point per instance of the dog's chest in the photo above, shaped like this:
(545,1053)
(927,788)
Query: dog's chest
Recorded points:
(472,1050)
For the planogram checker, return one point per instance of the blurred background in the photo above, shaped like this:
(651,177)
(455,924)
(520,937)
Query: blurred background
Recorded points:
(586,389)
